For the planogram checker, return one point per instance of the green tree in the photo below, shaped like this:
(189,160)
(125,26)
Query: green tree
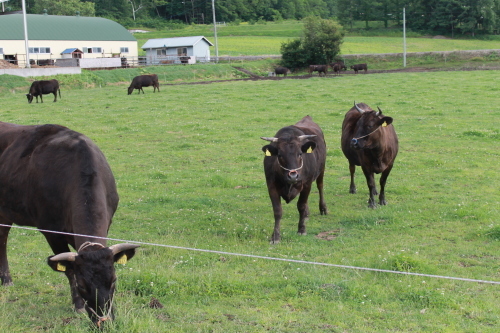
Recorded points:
(320,44)
(64,7)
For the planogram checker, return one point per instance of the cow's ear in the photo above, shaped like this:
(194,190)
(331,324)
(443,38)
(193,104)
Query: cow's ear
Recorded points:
(385,121)
(59,265)
(124,256)
(270,150)
(308,147)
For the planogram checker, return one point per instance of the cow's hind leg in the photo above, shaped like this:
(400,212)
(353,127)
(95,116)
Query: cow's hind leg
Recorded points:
(5,277)
(383,180)
(59,245)
(352,170)
(55,96)
(303,208)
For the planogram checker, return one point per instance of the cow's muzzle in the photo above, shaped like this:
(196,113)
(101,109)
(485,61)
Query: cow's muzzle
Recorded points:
(293,176)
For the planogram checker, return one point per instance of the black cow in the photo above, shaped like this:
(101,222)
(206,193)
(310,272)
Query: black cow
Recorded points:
(337,67)
(56,179)
(282,70)
(359,67)
(293,161)
(44,87)
(144,81)
(318,68)
(370,141)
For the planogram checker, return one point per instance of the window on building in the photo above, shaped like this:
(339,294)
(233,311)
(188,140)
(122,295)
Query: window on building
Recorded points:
(123,49)
(161,52)
(92,50)
(1,50)
(182,51)
(39,49)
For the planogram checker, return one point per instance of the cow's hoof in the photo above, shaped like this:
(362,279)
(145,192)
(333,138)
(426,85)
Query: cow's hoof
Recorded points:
(352,191)
(80,310)
(274,242)
(383,202)
(302,233)
(7,284)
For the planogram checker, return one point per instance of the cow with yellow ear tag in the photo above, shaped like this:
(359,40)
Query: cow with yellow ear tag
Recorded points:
(293,160)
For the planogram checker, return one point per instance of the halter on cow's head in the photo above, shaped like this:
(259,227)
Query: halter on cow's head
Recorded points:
(289,150)
(368,126)
(94,272)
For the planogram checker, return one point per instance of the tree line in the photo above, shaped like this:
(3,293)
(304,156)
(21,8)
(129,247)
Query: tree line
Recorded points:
(449,17)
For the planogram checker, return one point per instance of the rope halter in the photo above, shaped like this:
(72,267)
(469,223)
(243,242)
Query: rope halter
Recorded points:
(292,171)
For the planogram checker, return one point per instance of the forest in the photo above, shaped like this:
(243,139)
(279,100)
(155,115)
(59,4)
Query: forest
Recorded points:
(447,17)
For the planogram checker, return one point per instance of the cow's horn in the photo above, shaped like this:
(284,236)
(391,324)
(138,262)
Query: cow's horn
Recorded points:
(269,139)
(303,137)
(357,108)
(68,256)
(379,111)
(117,248)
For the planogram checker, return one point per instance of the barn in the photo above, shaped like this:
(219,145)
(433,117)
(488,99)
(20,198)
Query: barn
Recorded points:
(49,36)
(188,50)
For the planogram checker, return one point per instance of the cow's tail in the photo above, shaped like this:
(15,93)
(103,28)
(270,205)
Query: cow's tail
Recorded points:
(59,92)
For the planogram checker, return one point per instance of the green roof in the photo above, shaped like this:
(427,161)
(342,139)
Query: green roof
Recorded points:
(52,27)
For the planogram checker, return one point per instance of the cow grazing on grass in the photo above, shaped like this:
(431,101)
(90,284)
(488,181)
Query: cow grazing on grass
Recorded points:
(282,70)
(318,68)
(44,87)
(370,141)
(56,179)
(293,161)
(359,67)
(144,81)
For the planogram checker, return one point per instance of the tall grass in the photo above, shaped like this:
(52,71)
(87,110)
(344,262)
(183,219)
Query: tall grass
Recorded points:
(188,166)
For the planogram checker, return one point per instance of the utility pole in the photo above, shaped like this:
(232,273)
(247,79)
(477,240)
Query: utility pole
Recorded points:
(26,36)
(215,33)
(404,37)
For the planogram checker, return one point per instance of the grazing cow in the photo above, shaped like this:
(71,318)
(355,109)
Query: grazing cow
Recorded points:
(318,68)
(337,67)
(56,179)
(144,81)
(44,87)
(370,141)
(293,161)
(282,70)
(359,67)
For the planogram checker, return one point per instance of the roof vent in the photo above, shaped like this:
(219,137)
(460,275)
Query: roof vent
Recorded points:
(77,13)
(45,12)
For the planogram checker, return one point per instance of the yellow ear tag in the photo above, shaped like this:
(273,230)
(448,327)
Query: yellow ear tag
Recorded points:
(384,124)
(122,260)
(60,267)
(309,150)
(268,153)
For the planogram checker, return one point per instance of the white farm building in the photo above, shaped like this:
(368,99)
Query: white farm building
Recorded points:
(188,50)
(50,37)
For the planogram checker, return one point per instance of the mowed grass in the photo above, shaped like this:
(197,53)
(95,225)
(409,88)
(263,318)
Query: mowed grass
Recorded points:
(266,39)
(188,166)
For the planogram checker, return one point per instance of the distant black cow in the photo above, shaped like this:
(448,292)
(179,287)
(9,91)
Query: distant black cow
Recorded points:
(370,141)
(144,81)
(359,67)
(293,161)
(337,67)
(282,70)
(56,179)
(318,68)
(39,88)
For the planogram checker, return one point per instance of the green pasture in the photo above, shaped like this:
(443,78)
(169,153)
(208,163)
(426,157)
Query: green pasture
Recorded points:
(265,39)
(188,166)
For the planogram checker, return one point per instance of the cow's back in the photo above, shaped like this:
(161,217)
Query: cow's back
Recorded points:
(54,178)
(348,127)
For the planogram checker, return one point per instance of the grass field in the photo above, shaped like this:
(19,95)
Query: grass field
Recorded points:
(266,39)
(188,166)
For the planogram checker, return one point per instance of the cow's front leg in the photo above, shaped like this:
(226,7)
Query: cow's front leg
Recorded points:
(278,213)
(303,209)
(4,264)
(372,188)
(322,204)
(383,180)
(352,170)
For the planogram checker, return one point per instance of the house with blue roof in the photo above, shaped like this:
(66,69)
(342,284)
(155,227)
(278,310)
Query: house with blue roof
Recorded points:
(187,50)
